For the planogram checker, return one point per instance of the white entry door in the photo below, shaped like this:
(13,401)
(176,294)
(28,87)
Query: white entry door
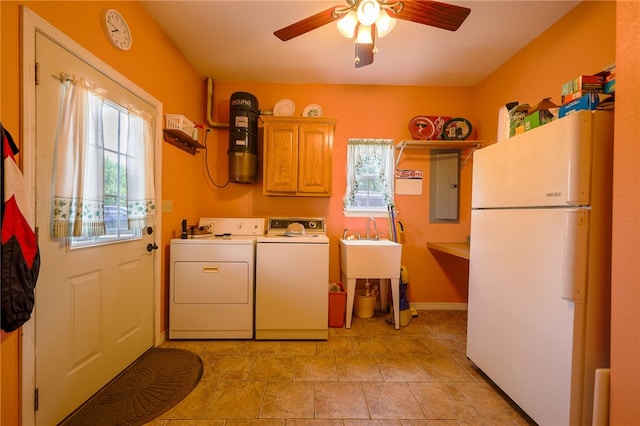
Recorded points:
(94,303)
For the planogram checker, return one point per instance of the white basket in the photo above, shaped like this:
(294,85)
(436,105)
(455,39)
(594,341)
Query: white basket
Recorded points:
(179,122)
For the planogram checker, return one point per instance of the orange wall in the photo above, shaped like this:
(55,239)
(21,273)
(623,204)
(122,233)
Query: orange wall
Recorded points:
(625,291)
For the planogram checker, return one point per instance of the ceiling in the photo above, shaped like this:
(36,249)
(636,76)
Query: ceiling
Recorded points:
(234,41)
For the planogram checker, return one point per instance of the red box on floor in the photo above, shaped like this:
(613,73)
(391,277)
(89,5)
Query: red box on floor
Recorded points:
(337,308)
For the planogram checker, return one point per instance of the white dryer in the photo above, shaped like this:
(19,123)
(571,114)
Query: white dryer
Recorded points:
(212,280)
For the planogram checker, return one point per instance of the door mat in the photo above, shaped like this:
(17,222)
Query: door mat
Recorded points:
(150,386)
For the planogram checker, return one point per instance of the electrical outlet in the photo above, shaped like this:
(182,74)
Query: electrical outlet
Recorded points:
(167,206)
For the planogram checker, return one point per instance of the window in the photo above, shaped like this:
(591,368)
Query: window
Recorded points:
(370,165)
(116,221)
(103,167)
(115,177)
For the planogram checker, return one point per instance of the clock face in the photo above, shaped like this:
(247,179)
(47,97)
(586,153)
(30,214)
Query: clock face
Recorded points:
(118,30)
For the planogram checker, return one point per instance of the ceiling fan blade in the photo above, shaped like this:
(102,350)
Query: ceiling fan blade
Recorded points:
(434,13)
(307,24)
(364,54)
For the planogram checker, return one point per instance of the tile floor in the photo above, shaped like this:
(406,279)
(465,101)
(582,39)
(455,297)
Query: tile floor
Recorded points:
(370,374)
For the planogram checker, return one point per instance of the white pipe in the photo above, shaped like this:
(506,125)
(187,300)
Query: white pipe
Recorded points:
(210,107)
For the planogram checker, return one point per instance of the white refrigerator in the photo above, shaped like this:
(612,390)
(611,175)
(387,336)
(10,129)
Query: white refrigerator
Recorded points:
(539,272)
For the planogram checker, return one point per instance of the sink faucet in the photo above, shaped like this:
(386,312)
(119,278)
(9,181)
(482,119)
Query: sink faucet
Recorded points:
(375,228)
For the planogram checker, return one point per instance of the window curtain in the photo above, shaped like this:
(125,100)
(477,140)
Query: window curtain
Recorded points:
(141,203)
(378,152)
(78,195)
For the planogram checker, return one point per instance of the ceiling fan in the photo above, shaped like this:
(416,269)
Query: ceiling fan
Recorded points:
(366,19)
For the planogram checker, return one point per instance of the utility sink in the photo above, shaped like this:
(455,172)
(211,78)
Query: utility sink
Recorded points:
(370,258)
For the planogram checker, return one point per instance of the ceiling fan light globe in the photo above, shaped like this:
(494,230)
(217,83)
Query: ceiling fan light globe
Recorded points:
(385,24)
(364,34)
(368,12)
(347,24)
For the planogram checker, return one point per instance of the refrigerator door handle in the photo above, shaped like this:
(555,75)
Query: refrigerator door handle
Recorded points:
(576,248)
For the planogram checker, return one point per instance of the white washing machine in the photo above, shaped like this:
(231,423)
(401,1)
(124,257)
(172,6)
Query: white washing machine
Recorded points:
(212,280)
(292,280)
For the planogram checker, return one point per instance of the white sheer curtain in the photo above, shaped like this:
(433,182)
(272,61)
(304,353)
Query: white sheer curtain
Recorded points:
(370,165)
(141,204)
(78,197)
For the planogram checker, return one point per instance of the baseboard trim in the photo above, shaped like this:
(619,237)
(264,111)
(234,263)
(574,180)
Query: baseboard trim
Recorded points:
(161,337)
(435,306)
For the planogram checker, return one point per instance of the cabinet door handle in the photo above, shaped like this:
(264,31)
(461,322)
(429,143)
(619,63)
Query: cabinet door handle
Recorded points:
(209,269)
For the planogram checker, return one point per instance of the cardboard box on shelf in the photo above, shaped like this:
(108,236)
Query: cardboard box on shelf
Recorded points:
(610,86)
(584,83)
(540,114)
(607,102)
(609,72)
(537,119)
(586,102)
(517,115)
(609,75)
(573,96)
(532,121)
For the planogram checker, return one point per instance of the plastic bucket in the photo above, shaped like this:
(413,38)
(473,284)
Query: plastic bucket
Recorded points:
(364,305)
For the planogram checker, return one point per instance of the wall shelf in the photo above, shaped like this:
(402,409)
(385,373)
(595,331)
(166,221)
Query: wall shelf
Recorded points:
(182,141)
(438,144)
(455,249)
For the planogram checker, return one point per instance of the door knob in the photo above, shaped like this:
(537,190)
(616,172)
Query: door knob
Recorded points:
(151,247)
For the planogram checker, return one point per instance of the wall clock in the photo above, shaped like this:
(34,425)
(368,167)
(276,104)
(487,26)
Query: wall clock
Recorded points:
(117,30)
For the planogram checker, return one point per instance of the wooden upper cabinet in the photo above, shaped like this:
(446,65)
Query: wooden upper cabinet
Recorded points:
(280,158)
(298,156)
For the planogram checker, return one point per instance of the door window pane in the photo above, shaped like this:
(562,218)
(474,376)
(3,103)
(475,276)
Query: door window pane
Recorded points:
(115,121)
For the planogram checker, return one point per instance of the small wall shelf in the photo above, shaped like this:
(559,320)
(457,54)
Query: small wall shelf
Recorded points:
(182,141)
(455,249)
(438,144)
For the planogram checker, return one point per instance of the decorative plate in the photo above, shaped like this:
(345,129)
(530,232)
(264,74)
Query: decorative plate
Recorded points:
(456,129)
(427,127)
(312,110)
(284,108)
(421,128)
